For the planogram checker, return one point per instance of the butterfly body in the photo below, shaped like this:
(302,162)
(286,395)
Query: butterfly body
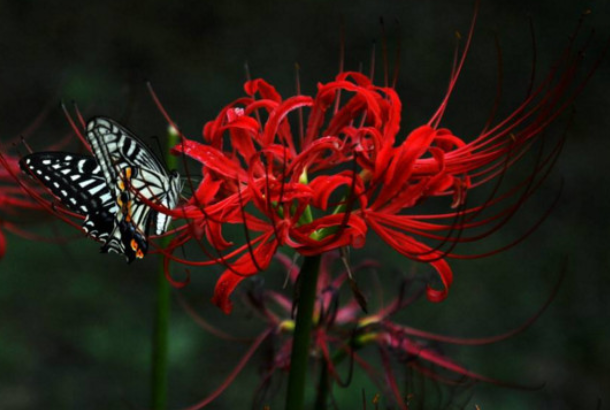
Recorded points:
(110,188)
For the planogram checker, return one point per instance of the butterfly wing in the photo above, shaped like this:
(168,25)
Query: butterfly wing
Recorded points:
(101,187)
(77,181)
(158,188)
(116,149)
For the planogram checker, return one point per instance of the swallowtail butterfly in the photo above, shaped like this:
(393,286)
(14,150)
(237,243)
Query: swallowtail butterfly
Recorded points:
(107,188)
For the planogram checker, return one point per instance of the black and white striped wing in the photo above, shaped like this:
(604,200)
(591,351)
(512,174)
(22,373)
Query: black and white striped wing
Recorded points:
(116,148)
(77,181)
(159,189)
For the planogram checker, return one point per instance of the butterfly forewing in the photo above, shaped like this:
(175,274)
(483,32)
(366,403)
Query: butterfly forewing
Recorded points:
(77,181)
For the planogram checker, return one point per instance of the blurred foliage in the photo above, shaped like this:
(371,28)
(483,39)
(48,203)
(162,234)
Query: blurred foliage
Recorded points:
(75,325)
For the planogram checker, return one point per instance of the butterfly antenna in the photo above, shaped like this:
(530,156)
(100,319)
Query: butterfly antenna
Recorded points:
(185,179)
(160,148)
(73,125)
(160,107)
(79,115)
(26,145)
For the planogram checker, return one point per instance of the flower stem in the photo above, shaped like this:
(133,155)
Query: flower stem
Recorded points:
(160,343)
(308,279)
(325,383)
(323,388)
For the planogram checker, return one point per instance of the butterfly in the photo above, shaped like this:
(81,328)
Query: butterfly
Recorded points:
(108,188)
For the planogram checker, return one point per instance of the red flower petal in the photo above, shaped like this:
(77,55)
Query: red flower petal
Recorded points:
(2,244)
(262,87)
(245,266)
(415,250)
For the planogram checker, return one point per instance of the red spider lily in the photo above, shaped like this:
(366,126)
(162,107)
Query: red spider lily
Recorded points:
(13,200)
(319,182)
(35,196)
(343,332)
(18,190)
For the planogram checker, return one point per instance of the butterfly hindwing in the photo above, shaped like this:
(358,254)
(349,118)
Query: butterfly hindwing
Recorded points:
(117,149)
(158,188)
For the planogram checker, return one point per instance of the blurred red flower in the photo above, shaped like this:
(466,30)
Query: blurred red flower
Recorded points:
(14,200)
(343,332)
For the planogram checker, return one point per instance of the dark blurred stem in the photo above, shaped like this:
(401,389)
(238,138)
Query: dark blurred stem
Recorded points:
(323,388)
(160,343)
(308,279)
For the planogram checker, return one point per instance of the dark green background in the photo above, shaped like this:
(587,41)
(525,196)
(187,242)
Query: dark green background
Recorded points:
(75,325)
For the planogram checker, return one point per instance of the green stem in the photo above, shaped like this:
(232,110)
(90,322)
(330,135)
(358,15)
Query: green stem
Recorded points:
(323,388)
(160,344)
(325,384)
(308,280)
